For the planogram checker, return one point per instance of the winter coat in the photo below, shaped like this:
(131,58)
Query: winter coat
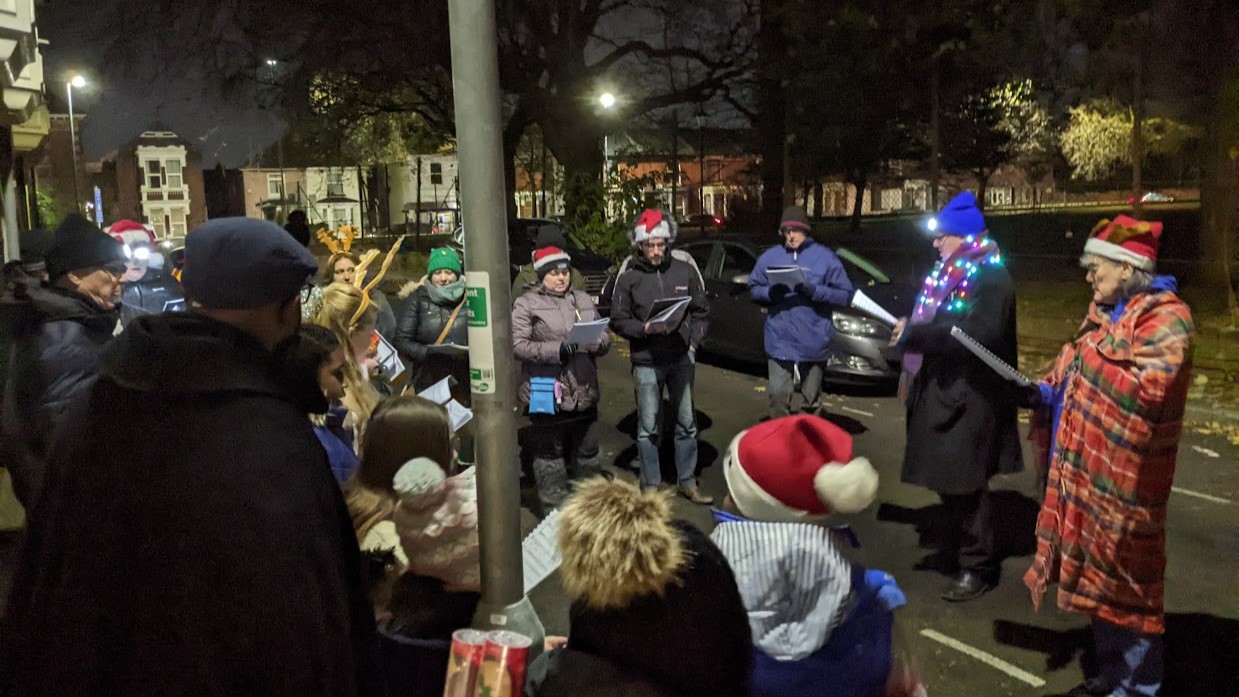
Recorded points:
(527,279)
(58,336)
(571,673)
(420,324)
(417,637)
(385,324)
(799,327)
(635,293)
(541,321)
(191,539)
(438,530)
(1101,533)
(961,427)
(337,440)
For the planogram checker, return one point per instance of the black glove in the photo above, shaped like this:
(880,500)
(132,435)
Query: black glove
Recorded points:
(806,289)
(440,350)
(1029,396)
(779,292)
(565,352)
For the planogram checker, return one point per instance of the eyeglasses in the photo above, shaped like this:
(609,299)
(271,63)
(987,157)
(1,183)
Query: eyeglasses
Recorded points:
(116,270)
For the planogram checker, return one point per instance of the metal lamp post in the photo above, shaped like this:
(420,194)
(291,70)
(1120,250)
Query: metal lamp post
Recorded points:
(79,82)
(607,100)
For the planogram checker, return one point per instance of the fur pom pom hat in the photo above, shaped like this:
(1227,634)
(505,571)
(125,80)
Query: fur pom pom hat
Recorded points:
(652,224)
(632,572)
(1126,240)
(797,468)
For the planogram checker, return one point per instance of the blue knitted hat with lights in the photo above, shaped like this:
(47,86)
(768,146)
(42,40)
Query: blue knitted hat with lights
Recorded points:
(960,217)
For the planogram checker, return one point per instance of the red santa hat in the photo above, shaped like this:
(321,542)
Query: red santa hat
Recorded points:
(652,224)
(795,469)
(131,233)
(1126,240)
(548,258)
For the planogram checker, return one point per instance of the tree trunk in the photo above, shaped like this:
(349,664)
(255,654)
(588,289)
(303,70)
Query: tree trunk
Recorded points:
(859,180)
(772,111)
(512,134)
(982,186)
(817,200)
(1220,188)
(1137,134)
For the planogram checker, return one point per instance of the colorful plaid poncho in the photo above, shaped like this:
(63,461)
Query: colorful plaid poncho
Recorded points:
(1101,530)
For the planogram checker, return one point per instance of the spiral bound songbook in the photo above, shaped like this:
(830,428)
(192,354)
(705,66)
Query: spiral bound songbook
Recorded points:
(997,364)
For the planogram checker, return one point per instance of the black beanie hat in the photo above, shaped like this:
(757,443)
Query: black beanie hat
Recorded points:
(35,244)
(633,573)
(80,244)
(794,217)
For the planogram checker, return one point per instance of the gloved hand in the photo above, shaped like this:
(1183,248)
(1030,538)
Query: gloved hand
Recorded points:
(440,351)
(1030,397)
(779,292)
(805,289)
(565,352)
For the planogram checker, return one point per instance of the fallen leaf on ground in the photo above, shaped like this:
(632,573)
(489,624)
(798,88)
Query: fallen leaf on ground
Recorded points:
(1205,451)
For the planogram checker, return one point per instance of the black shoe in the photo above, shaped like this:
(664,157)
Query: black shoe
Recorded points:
(966,586)
(943,562)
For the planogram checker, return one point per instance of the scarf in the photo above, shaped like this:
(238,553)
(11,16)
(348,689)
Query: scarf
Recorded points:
(447,295)
(946,287)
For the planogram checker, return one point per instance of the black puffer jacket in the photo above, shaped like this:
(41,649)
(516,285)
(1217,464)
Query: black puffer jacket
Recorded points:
(420,325)
(635,293)
(571,673)
(57,337)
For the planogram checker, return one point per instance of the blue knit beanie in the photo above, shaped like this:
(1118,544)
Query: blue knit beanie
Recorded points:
(960,217)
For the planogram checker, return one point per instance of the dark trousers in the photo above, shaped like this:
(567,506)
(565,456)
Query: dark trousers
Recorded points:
(971,532)
(564,446)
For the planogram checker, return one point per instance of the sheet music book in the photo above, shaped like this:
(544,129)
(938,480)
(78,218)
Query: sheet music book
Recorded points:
(440,392)
(388,358)
(587,333)
(790,276)
(997,364)
(668,311)
(865,304)
(540,551)
(458,414)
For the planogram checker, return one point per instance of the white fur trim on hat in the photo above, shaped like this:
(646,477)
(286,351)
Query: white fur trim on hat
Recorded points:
(665,229)
(551,260)
(753,501)
(847,488)
(1114,252)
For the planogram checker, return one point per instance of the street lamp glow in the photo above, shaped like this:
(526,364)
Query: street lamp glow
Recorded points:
(607,100)
(272,62)
(78,81)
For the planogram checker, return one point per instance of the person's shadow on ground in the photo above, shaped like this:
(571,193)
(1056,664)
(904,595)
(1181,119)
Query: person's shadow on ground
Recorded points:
(627,458)
(1201,660)
(1014,519)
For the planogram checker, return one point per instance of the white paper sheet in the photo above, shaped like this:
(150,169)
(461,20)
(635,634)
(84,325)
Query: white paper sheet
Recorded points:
(439,393)
(587,333)
(997,364)
(540,551)
(668,312)
(388,358)
(790,276)
(865,304)
(459,415)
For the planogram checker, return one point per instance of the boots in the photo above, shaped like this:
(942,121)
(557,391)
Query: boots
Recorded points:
(551,477)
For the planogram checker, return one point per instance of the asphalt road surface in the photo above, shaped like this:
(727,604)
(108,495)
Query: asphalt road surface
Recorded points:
(996,645)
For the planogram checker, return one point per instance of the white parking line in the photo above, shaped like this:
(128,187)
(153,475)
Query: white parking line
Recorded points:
(987,659)
(856,411)
(1197,494)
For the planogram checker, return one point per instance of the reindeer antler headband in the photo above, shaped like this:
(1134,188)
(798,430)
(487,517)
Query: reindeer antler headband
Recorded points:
(339,242)
(358,279)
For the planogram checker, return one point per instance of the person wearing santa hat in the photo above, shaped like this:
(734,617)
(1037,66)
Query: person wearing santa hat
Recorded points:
(663,353)
(147,289)
(559,379)
(1109,417)
(962,416)
(821,626)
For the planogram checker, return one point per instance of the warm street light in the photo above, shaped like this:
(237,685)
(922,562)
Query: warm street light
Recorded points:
(272,62)
(607,100)
(79,82)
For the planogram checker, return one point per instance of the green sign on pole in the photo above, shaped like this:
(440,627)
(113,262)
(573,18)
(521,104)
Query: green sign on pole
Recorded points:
(476,297)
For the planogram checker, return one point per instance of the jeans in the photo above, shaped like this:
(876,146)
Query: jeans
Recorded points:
(782,382)
(678,379)
(1128,662)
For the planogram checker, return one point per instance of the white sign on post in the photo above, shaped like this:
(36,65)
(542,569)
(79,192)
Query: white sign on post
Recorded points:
(481,332)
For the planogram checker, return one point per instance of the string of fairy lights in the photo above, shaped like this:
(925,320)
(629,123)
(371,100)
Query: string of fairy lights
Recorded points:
(957,275)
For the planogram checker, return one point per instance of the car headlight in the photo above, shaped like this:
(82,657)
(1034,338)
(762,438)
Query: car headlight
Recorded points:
(859,326)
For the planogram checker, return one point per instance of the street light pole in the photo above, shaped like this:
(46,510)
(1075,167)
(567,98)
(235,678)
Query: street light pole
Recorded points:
(492,368)
(77,81)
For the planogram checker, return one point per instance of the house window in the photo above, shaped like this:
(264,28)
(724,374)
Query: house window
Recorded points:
(173,174)
(342,216)
(155,218)
(154,179)
(273,185)
(335,183)
(436,173)
(178,222)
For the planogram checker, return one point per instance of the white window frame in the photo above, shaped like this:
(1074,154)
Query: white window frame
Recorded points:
(154,178)
(173,169)
(155,218)
(273,185)
(180,222)
(334,182)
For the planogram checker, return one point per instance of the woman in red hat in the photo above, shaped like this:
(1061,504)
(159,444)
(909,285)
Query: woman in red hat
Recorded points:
(1109,423)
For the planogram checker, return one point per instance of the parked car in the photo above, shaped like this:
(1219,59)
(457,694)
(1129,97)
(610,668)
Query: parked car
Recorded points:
(702,222)
(860,353)
(1152,197)
(522,235)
